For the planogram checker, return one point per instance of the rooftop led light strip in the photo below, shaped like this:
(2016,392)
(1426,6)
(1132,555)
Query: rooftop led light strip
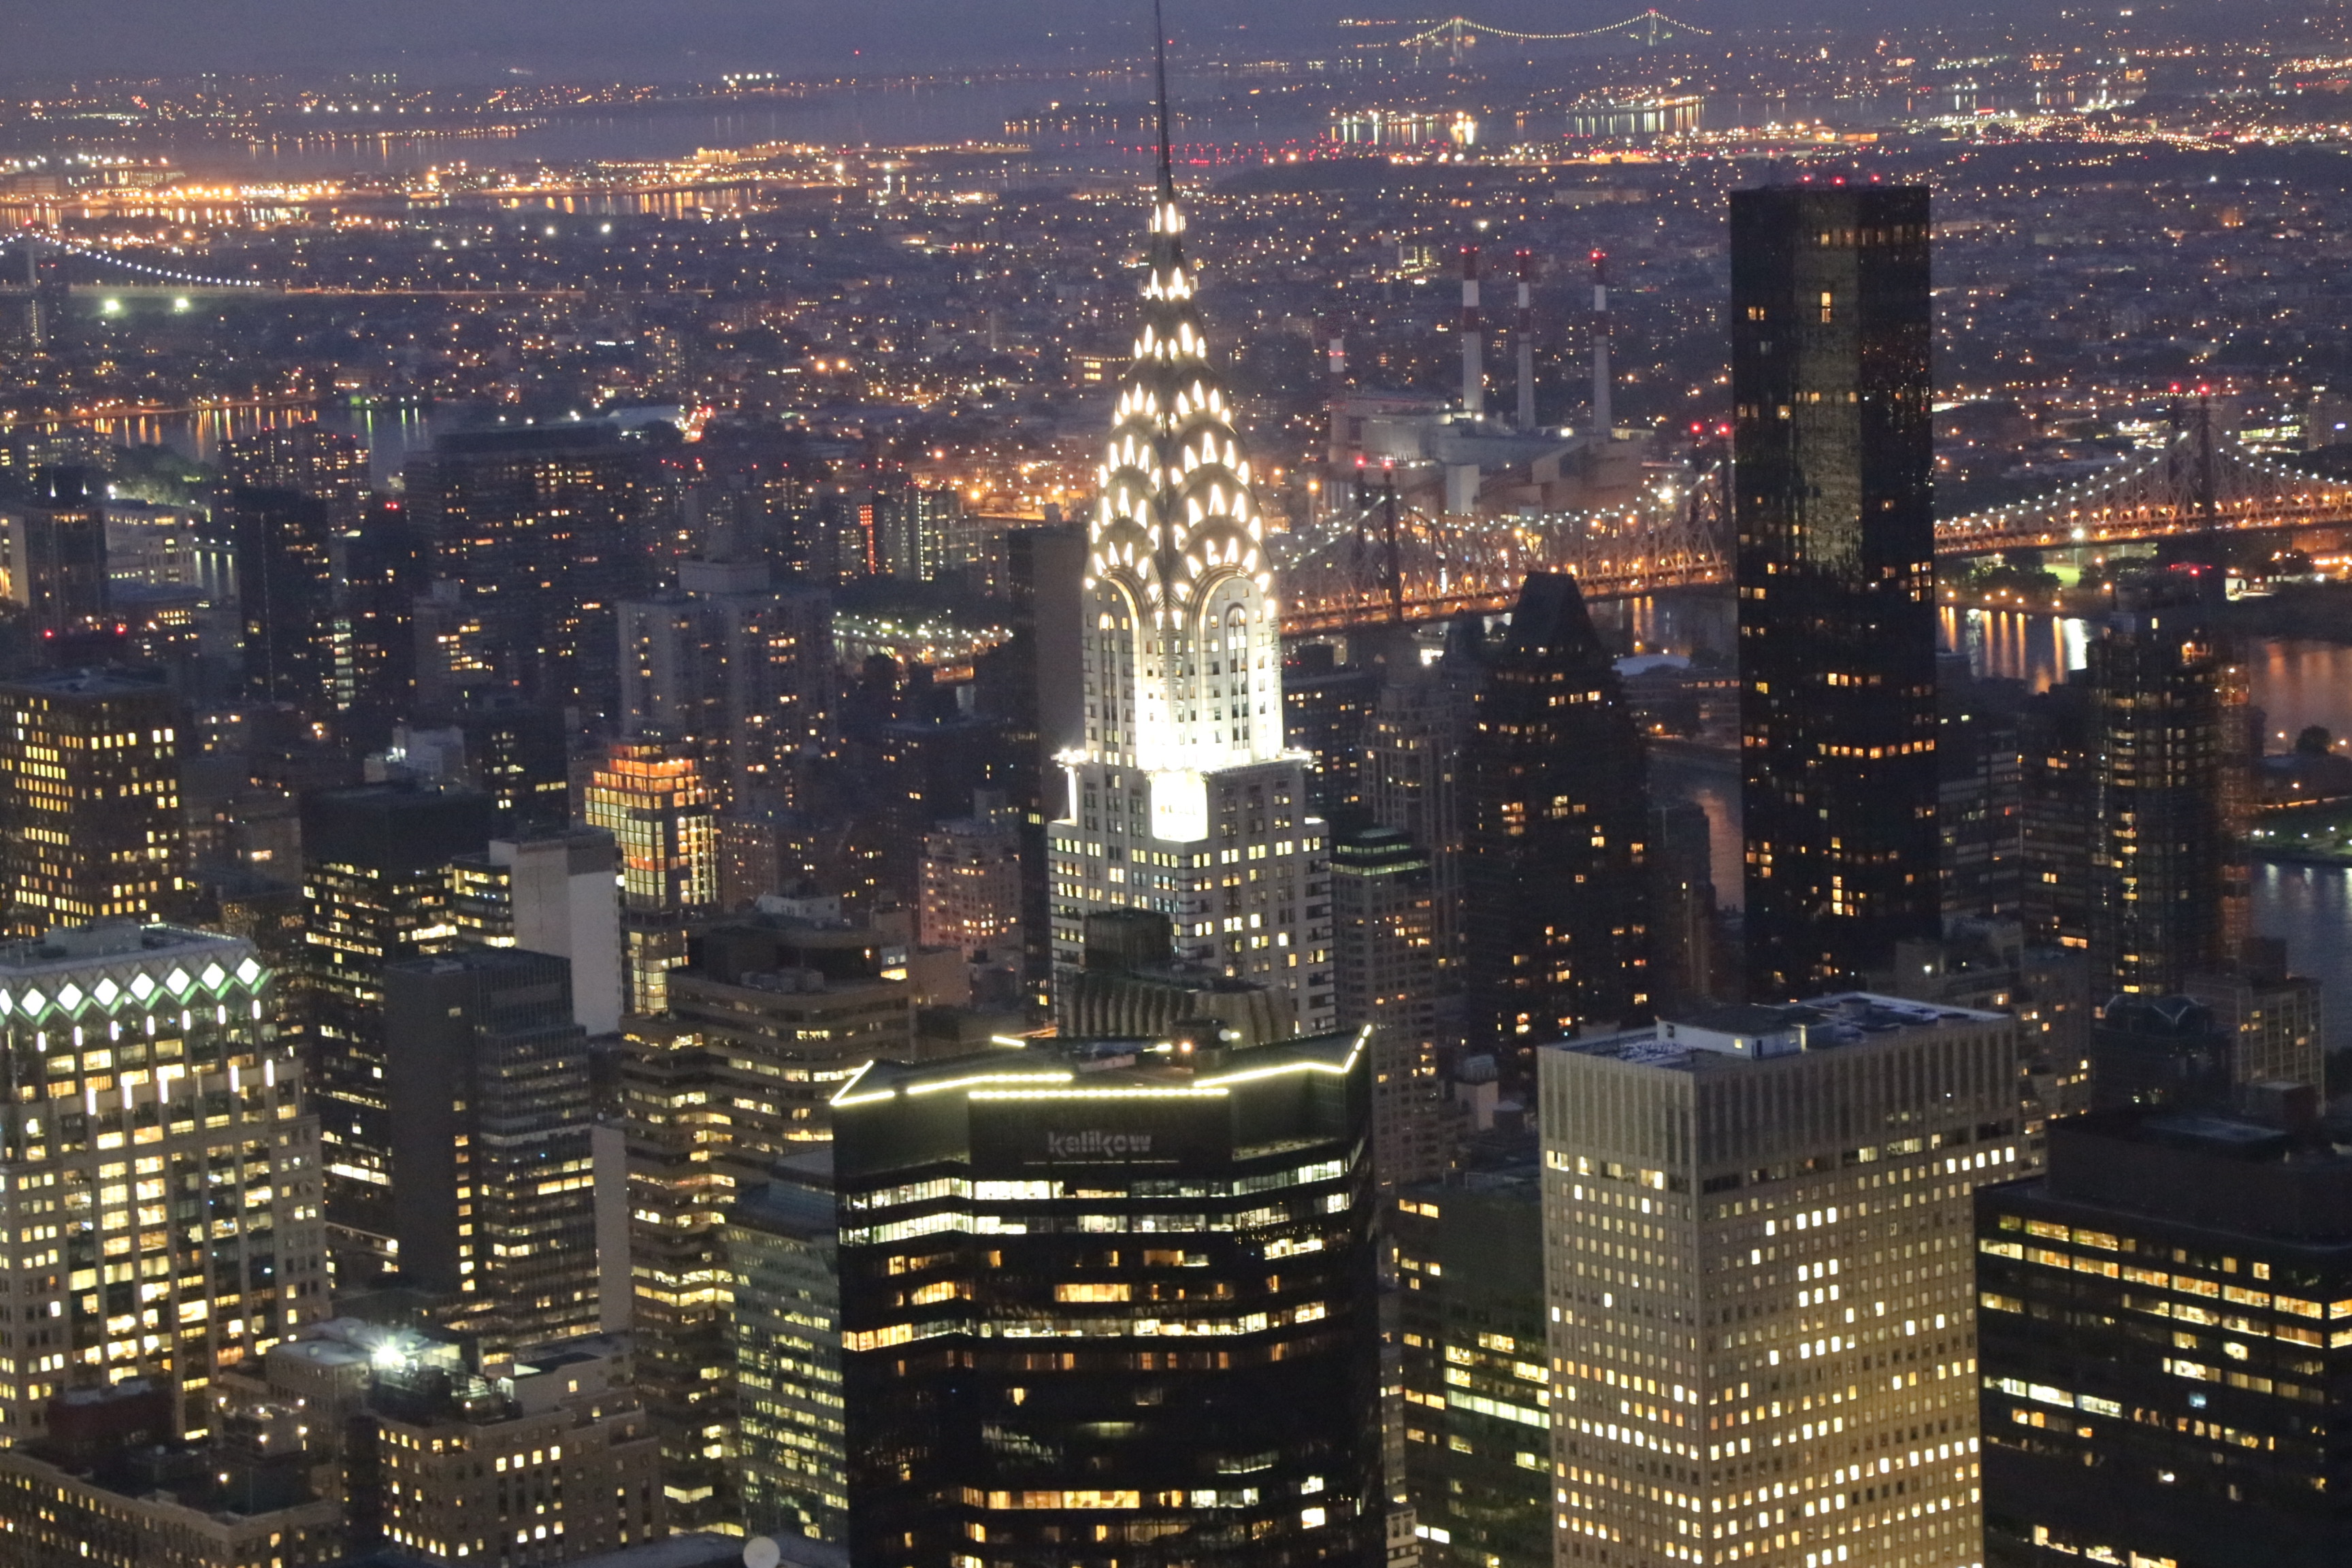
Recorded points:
(30,1003)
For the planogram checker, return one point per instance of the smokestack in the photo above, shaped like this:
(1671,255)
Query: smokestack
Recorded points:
(1474,363)
(1335,357)
(1602,417)
(1523,336)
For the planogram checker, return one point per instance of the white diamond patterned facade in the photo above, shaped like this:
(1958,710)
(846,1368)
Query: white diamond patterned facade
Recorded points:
(1184,798)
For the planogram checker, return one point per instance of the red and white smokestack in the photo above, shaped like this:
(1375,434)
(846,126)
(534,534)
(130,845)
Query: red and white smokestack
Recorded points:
(1602,414)
(1336,356)
(1523,337)
(1474,343)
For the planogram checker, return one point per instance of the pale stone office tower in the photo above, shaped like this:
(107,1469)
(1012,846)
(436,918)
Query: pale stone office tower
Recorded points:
(1760,1259)
(1182,797)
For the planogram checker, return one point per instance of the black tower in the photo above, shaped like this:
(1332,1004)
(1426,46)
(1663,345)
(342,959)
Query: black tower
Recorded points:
(1833,504)
(1555,885)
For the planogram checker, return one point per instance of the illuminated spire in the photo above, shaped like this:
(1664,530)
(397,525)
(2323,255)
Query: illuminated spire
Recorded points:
(1184,653)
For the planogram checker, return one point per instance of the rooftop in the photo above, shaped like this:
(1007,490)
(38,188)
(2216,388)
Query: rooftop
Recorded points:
(1071,1069)
(1708,1037)
(87,683)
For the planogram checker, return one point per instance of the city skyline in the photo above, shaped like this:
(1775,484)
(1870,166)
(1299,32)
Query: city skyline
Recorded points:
(1534,791)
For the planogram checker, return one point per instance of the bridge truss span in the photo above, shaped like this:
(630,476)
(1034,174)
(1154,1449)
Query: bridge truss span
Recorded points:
(2193,483)
(1383,561)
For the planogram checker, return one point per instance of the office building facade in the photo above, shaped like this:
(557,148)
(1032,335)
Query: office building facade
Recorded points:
(652,796)
(551,892)
(89,786)
(537,535)
(1761,1300)
(56,545)
(162,1192)
(740,671)
(1476,1396)
(286,594)
(1104,1298)
(1832,508)
(791,1468)
(759,1034)
(1391,981)
(2167,732)
(551,1463)
(375,881)
(2159,1343)
(494,1186)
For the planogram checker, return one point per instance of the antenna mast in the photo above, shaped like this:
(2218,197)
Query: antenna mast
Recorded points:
(1160,59)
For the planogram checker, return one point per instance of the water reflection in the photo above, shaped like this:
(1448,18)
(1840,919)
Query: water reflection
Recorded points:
(389,431)
(2310,909)
(2014,645)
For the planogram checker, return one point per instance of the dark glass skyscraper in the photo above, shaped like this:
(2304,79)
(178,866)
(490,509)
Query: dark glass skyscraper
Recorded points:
(1111,1302)
(286,593)
(488,1093)
(1555,883)
(375,884)
(2168,720)
(1832,505)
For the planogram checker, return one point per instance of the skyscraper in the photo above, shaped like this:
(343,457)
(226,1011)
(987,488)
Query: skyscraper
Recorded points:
(2158,1351)
(375,882)
(1326,707)
(1391,981)
(1762,1299)
(1477,1382)
(56,552)
(286,594)
(774,1017)
(1832,508)
(1044,570)
(1181,797)
(2167,722)
(494,1203)
(331,466)
(1187,1229)
(1412,775)
(972,881)
(1981,806)
(1555,882)
(161,1163)
(739,670)
(791,1469)
(551,892)
(90,789)
(539,533)
(652,797)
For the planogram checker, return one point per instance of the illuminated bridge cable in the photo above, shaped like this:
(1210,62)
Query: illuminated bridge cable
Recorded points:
(165,274)
(1652,19)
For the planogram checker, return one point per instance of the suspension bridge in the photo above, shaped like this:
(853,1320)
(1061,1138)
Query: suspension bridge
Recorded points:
(1381,561)
(1649,28)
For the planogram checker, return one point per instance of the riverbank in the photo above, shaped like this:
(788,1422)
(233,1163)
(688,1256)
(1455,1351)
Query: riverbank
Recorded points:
(2305,836)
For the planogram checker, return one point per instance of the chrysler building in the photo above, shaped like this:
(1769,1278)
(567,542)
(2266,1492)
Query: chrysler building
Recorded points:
(1184,798)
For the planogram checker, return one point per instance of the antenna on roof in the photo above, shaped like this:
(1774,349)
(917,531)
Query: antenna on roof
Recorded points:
(1160,59)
